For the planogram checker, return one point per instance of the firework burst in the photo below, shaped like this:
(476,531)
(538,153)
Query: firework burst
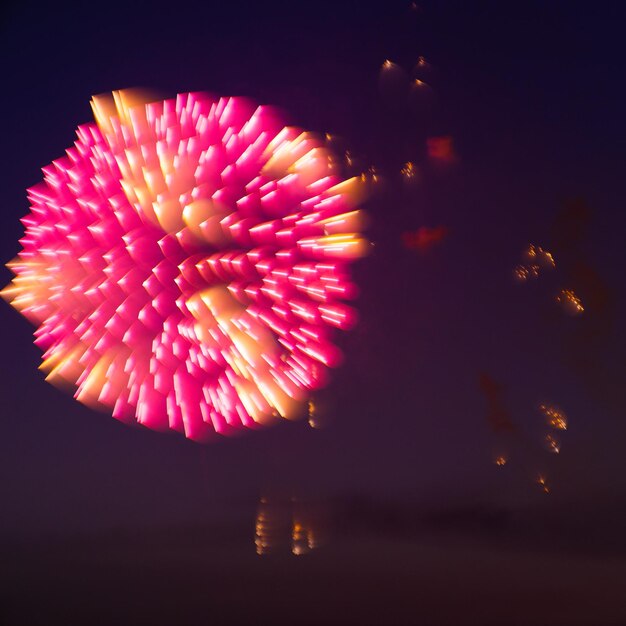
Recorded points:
(186,262)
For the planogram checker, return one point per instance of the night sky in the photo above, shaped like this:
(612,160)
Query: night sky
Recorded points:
(532,95)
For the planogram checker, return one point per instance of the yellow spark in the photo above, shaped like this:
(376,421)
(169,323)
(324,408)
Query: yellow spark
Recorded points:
(408,170)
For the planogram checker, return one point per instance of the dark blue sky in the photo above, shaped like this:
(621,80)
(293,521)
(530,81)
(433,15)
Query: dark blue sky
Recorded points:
(533,96)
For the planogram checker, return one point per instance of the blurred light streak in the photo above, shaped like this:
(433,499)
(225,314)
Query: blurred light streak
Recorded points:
(424,238)
(498,416)
(441,149)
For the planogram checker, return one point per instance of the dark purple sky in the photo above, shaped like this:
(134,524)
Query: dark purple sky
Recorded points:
(532,94)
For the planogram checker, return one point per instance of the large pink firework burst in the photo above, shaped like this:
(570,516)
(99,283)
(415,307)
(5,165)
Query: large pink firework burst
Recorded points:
(186,262)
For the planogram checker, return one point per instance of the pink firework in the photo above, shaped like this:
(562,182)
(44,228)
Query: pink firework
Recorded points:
(186,262)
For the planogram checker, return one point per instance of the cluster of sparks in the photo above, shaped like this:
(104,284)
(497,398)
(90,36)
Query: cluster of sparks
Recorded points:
(186,262)
(569,302)
(408,170)
(397,85)
(536,259)
(508,433)
(555,418)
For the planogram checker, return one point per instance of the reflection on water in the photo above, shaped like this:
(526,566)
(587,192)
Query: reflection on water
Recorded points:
(271,526)
(290,522)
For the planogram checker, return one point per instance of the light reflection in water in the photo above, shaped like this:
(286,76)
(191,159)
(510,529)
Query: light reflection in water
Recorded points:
(294,523)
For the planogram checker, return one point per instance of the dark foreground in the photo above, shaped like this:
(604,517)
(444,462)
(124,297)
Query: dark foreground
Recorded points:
(198,576)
